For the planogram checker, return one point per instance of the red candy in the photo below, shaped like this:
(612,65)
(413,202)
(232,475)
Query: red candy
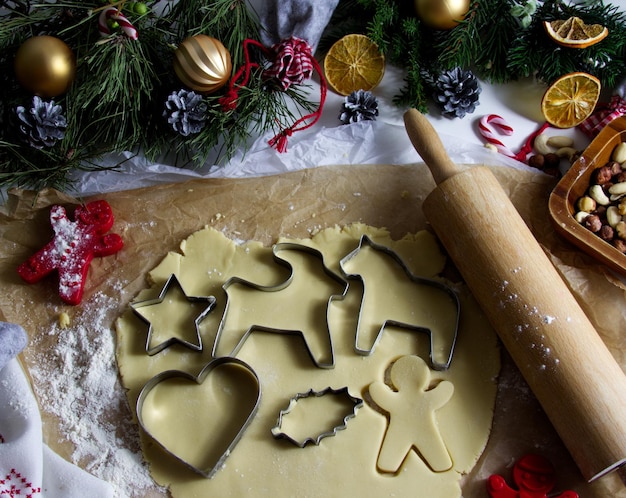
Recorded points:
(534,477)
(74,245)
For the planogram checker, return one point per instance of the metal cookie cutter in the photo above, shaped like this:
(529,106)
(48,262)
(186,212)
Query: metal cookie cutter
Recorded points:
(282,246)
(365,240)
(278,433)
(249,411)
(173,280)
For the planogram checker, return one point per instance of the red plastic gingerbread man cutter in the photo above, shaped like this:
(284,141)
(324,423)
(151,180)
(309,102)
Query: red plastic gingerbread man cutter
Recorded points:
(73,247)
(534,477)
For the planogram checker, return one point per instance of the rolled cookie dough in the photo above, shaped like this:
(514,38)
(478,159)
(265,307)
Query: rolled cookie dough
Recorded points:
(345,464)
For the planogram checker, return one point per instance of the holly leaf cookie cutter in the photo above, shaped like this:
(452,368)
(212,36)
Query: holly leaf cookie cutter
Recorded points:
(173,284)
(202,444)
(402,322)
(277,430)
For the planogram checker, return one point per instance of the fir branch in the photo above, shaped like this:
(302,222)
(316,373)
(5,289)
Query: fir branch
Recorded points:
(534,53)
(458,47)
(22,166)
(498,28)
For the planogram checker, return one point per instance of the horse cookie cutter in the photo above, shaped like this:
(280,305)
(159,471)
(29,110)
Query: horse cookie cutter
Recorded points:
(422,281)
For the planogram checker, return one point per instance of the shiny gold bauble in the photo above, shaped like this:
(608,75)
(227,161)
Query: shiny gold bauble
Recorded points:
(202,63)
(45,66)
(441,14)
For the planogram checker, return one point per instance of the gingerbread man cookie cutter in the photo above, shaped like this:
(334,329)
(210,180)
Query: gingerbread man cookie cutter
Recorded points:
(422,281)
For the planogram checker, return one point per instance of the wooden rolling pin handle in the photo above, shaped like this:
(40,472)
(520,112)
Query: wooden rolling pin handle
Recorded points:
(428,145)
(580,386)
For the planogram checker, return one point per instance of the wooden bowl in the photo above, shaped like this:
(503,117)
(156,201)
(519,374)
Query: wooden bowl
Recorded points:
(574,184)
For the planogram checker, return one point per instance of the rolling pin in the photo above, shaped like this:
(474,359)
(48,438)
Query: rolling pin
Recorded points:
(575,378)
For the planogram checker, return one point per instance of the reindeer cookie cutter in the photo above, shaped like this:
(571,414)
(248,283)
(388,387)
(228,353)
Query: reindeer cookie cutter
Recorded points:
(277,430)
(276,249)
(435,284)
(173,281)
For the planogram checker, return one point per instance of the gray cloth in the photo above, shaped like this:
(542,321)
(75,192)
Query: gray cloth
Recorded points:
(305,19)
(13,339)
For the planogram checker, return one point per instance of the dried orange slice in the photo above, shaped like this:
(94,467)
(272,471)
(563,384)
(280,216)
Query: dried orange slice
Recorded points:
(354,63)
(574,33)
(570,99)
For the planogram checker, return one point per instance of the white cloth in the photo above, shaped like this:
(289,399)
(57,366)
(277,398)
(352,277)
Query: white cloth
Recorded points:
(29,468)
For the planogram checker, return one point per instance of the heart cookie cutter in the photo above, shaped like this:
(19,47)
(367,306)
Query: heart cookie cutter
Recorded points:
(173,281)
(435,284)
(143,406)
(282,246)
(278,433)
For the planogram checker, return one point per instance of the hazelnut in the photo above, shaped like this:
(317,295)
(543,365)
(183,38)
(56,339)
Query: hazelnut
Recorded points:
(602,175)
(551,160)
(620,177)
(593,223)
(606,232)
(586,203)
(536,161)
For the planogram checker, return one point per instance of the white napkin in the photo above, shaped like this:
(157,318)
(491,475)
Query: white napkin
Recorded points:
(29,468)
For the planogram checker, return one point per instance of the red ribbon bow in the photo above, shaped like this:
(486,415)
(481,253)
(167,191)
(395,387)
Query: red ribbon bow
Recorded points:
(292,62)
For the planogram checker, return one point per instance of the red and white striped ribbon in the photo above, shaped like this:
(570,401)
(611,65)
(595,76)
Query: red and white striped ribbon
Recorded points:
(113,13)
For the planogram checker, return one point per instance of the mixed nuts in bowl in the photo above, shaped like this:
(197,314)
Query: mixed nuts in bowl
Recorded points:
(588,205)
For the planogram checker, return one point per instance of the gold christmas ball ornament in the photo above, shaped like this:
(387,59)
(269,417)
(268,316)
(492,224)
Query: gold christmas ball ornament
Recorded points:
(442,14)
(45,66)
(202,63)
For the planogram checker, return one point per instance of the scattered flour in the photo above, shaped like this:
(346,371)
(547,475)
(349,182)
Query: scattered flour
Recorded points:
(88,400)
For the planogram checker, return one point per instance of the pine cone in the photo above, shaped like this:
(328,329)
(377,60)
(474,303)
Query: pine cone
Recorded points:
(43,124)
(186,112)
(457,92)
(359,106)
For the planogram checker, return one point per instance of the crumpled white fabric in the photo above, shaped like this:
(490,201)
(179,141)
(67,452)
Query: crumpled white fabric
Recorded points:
(369,142)
(28,467)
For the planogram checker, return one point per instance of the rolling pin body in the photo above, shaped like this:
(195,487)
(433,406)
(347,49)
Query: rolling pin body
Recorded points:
(580,386)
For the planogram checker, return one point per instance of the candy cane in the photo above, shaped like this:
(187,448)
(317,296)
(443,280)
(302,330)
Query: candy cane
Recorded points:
(495,121)
(113,13)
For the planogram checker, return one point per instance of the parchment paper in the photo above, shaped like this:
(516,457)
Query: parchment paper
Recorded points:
(153,221)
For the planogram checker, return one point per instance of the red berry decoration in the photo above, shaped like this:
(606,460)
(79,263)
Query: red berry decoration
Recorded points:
(73,247)
(534,477)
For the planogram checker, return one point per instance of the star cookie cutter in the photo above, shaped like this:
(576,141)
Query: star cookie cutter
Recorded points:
(246,413)
(173,281)
(282,246)
(365,240)
(278,433)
